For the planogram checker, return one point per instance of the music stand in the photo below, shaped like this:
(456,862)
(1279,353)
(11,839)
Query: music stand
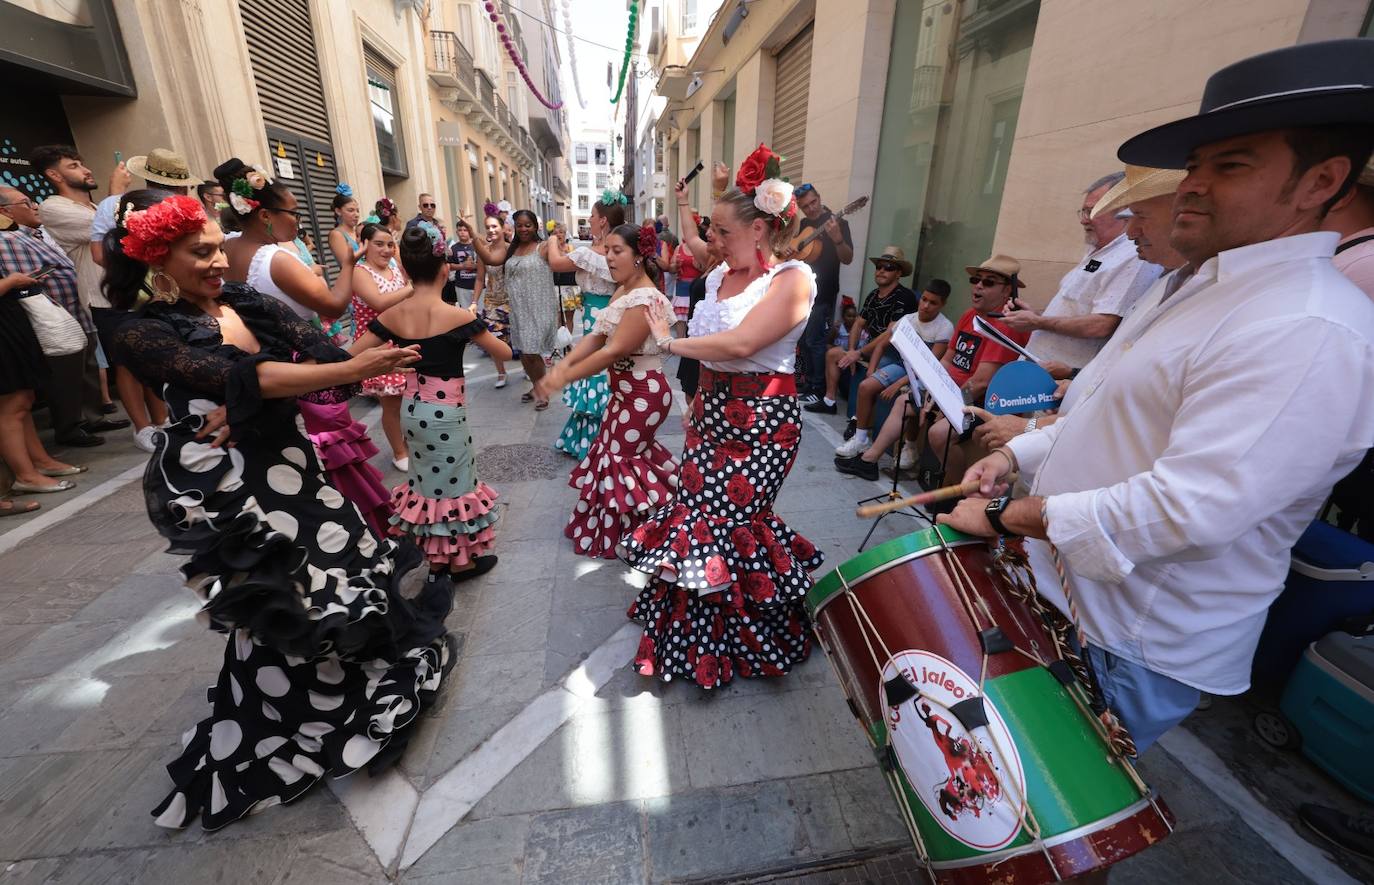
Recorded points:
(894,494)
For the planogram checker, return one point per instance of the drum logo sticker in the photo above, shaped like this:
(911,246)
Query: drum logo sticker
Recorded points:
(972,783)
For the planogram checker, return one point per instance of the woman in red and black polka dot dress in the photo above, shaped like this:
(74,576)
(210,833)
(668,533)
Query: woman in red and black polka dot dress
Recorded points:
(626,474)
(729,576)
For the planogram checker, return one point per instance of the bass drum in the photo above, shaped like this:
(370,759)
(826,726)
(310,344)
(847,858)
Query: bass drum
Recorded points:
(1002,772)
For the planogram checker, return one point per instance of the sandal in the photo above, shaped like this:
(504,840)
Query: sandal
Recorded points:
(29,488)
(65,471)
(18,508)
(541,405)
(527,396)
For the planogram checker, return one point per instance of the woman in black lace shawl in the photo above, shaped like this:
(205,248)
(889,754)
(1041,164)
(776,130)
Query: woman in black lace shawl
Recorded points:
(327,662)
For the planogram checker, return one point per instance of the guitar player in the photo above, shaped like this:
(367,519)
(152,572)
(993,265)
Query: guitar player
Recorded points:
(837,248)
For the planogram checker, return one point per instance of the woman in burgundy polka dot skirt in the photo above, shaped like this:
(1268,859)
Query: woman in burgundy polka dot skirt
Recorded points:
(729,576)
(626,474)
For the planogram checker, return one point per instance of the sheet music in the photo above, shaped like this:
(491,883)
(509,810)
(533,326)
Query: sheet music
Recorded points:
(988,330)
(922,367)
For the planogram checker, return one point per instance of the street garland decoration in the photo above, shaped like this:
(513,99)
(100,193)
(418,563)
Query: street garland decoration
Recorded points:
(514,54)
(629,48)
(572,47)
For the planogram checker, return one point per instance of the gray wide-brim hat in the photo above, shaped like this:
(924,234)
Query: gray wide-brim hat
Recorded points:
(1312,84)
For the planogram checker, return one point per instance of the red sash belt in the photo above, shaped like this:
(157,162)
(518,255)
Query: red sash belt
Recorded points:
(747,385)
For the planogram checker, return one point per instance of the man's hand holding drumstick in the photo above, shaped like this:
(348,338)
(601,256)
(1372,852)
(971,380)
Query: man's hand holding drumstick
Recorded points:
(993,476)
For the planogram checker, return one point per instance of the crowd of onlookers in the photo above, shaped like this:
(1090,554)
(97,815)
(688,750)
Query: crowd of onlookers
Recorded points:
(1126,218)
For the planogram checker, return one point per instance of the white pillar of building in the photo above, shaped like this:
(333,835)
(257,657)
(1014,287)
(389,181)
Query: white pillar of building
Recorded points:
(845,110)
(755,85)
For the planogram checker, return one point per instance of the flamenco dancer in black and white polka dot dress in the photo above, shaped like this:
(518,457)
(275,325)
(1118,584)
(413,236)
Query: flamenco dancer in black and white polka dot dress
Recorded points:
(328,663)
(729,576)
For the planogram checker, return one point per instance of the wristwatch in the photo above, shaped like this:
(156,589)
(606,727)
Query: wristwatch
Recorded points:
(994,514)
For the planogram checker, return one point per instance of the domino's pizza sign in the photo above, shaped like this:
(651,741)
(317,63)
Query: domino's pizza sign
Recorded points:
(1019,388)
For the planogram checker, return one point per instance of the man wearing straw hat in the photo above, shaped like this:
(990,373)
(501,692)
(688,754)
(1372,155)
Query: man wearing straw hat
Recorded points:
(1095,294)
(1148,195)
(1199,444)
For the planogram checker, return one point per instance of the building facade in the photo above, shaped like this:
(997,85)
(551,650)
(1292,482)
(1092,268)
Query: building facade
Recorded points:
(320,91)
(592,172)
(972,125)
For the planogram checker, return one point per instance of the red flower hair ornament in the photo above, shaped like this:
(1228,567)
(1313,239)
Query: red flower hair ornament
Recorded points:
(760,176)
(648,241)
(152,231)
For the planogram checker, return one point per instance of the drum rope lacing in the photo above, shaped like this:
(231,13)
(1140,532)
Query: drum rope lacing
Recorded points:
(1068,638)
(1022,801)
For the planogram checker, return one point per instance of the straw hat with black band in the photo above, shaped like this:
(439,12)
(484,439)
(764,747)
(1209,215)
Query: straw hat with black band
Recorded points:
(895,255)
(161,166)
(1312,84)
(1140,184)
(1004,265)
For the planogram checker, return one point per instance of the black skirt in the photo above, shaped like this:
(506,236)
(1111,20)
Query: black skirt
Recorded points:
(22,364)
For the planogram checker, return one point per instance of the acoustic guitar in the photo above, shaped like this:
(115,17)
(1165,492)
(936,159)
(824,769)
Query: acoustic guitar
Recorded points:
(807,247)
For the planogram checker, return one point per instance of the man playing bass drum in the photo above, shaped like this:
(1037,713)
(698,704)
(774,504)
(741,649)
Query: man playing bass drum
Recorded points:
(825,254)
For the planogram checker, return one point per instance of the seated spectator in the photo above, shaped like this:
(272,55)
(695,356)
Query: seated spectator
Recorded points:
(1095,294)
(839,333)
(890,380)
(1149,196)
(22,371)
(970,359)
(887,303)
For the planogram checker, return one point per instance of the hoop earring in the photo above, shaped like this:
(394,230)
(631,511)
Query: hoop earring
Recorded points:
(171,293)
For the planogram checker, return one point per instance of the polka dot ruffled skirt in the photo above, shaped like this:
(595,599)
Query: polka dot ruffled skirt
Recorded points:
(328,662)
(627,474)
(729,576)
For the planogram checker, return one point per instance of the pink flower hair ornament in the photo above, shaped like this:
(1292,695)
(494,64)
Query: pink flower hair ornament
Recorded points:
(152,231)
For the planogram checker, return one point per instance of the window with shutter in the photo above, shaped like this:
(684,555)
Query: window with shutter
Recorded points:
(790,102)
(386,119)
(312,180)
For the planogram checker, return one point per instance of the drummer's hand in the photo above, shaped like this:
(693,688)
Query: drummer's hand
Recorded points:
(970,517)
(992,474)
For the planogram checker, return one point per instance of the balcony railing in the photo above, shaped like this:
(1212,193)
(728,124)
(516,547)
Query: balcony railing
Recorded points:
(451,66)
(450,63)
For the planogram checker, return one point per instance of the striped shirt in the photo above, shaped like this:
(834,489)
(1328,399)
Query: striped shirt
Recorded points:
(24,250)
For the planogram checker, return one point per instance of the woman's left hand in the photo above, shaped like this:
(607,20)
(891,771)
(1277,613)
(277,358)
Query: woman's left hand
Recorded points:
(216,425)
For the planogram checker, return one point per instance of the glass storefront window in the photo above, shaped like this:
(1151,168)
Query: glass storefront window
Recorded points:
(949,117)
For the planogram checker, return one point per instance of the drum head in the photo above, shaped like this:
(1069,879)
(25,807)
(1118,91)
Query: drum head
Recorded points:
(882,558)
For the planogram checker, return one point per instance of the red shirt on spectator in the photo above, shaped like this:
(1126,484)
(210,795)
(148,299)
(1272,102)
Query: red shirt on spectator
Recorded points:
(968,349)
(686,266)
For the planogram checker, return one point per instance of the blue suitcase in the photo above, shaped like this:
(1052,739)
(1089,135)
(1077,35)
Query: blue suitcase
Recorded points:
(1331,579)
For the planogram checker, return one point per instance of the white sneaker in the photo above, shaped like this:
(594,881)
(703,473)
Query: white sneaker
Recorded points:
(500,382)
(851,447)
(146,439)
(401,464)
(908,458)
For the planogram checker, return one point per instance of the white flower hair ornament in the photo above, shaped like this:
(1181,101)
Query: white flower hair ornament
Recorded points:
(774,196)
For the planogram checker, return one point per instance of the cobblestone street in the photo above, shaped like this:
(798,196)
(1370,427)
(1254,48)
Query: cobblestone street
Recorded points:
(546,761)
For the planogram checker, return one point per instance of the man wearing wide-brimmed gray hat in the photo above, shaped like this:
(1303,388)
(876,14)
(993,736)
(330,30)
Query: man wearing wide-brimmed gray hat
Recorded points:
(1198,445)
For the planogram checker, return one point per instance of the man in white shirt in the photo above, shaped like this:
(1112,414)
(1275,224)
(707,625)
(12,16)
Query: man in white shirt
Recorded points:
(1200,443)
(1095,295)
(67,217)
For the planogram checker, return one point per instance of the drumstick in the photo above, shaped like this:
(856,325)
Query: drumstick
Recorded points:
(930,497)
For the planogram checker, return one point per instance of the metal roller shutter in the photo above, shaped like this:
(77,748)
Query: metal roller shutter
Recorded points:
(789,105)
(313,179)
(286,67)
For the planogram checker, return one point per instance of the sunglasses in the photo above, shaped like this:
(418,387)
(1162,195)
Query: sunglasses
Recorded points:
(986,281)
(886,265)
(429,205)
